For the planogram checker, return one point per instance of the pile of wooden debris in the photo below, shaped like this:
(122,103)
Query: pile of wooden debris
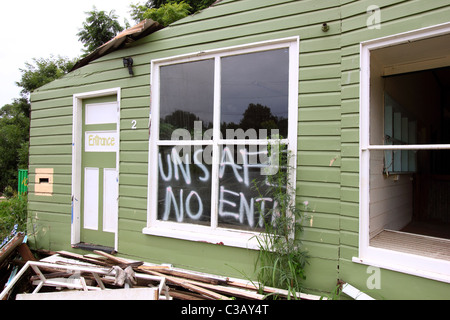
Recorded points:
(102,276)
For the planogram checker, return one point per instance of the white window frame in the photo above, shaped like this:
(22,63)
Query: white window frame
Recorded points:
(214,234)
(379,257)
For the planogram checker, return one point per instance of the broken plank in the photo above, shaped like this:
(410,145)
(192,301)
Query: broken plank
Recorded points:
(186,275)
(111,257)
(83,258)
(355,293)
(272,291)
(153,268)
(115,294)
(95,256)
(185,284)
(52,275)
(9,248)
(186,295)
(25,252)
(119,261)
(238,293)
(198,289)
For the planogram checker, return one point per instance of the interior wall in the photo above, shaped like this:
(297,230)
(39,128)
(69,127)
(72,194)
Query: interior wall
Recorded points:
(391,197)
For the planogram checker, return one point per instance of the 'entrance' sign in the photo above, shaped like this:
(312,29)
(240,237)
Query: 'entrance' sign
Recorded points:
(101,141)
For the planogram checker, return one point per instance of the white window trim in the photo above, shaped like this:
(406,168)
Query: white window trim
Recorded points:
(417,265)
(228,237)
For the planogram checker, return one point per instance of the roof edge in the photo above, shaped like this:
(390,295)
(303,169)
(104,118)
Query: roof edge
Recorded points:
(142,29)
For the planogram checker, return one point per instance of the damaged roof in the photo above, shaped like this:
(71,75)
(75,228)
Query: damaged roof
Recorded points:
(142,29)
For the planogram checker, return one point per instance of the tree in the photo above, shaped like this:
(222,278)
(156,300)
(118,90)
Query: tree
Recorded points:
(43,71)
(167,11)
(99,28)
(198,5)
(15,117)
(14,136)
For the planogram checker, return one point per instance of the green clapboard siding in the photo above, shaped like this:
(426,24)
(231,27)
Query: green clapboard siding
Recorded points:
(328,133)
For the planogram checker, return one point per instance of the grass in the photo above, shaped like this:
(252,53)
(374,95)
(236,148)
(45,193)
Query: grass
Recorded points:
(13,211)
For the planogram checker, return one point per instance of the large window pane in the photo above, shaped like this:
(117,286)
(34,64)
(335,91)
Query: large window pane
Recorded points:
(255,94)
(184,187)
(186,98)
(248,177)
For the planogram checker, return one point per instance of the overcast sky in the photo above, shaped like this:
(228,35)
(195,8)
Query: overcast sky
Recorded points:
(41,28)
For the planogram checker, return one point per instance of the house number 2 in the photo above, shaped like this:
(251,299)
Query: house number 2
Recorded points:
(133,124)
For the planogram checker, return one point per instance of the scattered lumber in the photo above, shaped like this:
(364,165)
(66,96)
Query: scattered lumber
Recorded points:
(101,271)
(14,253)
(190,286)
(233,292)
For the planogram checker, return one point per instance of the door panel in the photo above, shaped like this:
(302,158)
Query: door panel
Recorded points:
(90,214)
(110,195)
(99,181)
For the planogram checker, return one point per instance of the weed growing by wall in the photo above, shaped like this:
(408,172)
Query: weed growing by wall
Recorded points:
(281,260)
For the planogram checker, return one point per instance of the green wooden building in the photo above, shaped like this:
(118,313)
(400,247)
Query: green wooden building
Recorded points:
(154,156)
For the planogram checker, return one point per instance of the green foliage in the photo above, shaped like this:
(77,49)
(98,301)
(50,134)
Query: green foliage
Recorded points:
(98,28)
(196,5)
(13,211)
(43,71)
(167,11)
(281,261)
(14,135)
(201,4)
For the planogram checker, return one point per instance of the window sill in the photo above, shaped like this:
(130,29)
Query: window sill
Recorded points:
(409,263)
(417,244)
(230,238)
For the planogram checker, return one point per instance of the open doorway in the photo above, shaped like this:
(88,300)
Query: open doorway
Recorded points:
(409,145)
(421,101)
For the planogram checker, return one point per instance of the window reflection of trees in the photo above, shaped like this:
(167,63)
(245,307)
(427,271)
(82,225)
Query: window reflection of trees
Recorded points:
(180,119)
(257,117)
